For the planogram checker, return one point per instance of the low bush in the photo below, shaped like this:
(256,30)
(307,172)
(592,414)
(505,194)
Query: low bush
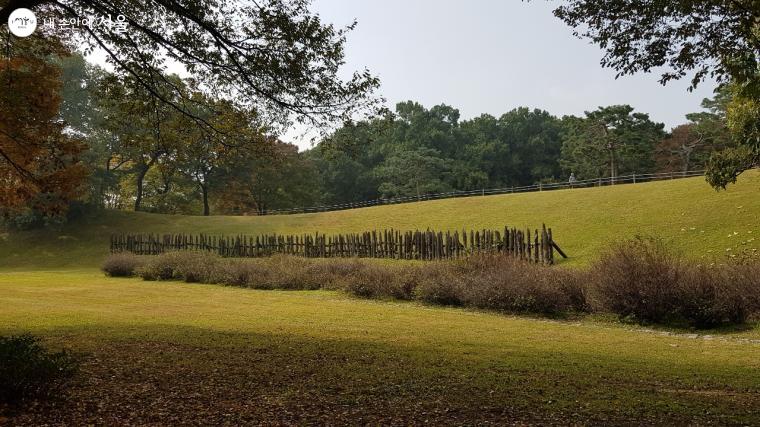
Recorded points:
(641,280)
(193,267)
(494,282)
(276,272)
(288,272)
(636,279)
(29,371)
(503,283)
(509,285)
(157,268)
(370,280)
(491,282)
(190,266)
(439,284)
(233,272)
(710,296)
(334,273)
(122,264)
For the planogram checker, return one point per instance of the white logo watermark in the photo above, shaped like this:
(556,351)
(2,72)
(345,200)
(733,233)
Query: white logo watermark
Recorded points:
(118,25)
(22,22)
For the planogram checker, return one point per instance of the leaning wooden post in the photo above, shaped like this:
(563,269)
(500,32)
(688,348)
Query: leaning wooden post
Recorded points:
(551,246)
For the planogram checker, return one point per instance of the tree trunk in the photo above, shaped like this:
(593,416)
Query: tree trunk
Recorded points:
(687,160)
(204,191)
(103,184)
(141,177)
(613,166)
(139,192)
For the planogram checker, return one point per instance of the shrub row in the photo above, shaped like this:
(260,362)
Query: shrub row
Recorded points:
(638,280)
(492,282)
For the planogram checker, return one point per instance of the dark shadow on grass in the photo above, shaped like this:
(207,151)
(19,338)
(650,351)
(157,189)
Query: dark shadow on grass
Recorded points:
(169,374)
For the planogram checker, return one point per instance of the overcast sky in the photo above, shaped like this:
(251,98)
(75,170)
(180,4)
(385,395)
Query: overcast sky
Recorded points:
(490,56)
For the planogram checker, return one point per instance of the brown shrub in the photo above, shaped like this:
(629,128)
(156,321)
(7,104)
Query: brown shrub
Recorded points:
(710,296)
(370,280)
(492,282)
(159,267)
(190,266)
(503,283)
(636,279)
(276,272)
(232,272)
(440,283)
(286,272)
(640,279)
(122,264)
(335,273)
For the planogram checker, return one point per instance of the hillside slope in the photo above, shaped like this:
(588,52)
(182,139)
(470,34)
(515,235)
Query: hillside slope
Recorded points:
(686,213)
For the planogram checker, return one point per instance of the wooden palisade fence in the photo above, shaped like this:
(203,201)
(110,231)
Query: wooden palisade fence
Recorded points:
(537,247)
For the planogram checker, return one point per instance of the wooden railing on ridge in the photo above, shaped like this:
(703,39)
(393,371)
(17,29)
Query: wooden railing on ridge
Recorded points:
(595,182)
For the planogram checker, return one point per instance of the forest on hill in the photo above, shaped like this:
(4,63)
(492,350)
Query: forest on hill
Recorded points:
(139,154)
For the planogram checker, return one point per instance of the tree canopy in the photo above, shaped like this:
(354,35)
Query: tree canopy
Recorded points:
(420,150)
(610,141)
(272,55)
(702,39)
(40,164)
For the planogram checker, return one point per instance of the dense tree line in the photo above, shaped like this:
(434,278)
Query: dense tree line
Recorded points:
(72,134)
(417,151)
(143,155)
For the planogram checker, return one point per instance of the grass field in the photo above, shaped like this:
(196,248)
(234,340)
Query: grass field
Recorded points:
(170,353)
(174,353)
(687,213)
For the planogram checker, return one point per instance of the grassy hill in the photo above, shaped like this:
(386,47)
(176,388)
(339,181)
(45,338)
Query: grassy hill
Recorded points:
(177,353)
(687,213)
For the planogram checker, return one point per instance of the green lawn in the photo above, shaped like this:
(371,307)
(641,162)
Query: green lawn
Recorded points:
(172,353)
(687,213)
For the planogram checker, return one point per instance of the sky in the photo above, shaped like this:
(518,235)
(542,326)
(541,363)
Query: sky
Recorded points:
(490,56)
